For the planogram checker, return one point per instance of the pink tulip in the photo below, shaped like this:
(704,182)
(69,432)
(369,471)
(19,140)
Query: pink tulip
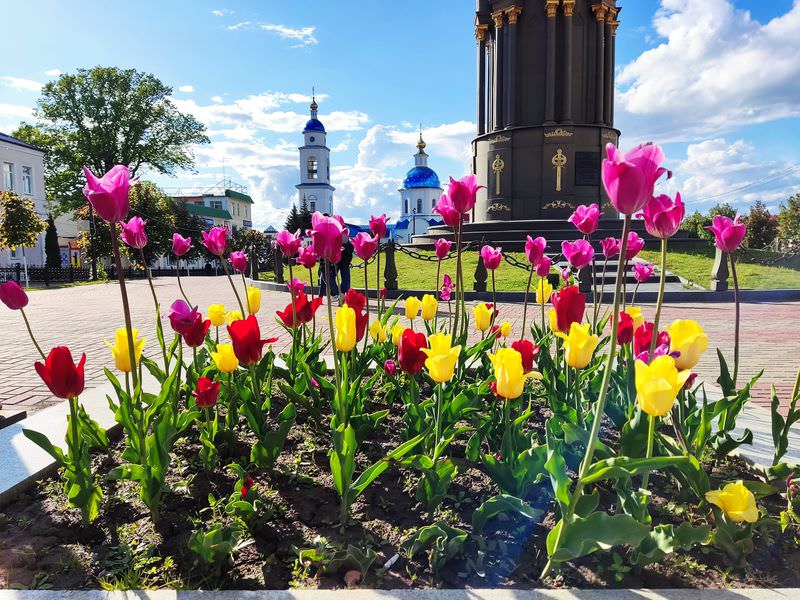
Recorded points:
(635,245)
(447,288)
(544,266)
(180,244)
(492,257)
(289,243)
(216,240)
(442,247)
(307,257)
(463,193)
(586,218)
(109,194)
(663,216)
(327,234)
(534,249)
(365,245)
(450,216)
(13,296)
(133,233)
(566,274)
(296,286)
(630,178)
(390,367)
(610,247)
(642,271)
(728,234)
(182,316)
(377,225)
(239,261)
(579,253)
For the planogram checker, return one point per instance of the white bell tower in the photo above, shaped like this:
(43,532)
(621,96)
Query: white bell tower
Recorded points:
(315,167)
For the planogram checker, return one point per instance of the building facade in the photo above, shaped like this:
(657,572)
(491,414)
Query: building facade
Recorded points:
(315,190)
(23,173)
(418,196)
(222,206)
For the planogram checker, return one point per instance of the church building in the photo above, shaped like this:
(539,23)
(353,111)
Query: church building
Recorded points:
(315,190)
(420,193)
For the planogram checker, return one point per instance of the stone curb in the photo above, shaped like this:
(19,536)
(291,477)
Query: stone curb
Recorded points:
(470,594)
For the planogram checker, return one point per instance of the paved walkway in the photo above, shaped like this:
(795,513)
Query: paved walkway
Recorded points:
(82,317)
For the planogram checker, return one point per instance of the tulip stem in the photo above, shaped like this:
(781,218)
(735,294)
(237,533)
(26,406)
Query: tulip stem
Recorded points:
(158,309)
(378,279)
(525,306)
(230,280)
(126,309)
(330,323)
(180,285)
(314,314)
(246,295)
(661,285)
(594,287)
(541,283)
(294,316)
(602,292)
(599,407)
(651,433)
(459,282)
(738,316)
(438,434)
(796,389)
(494,300)
(30,333)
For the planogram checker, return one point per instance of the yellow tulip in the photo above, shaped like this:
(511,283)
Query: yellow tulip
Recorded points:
(397,333)
(412,306)
(658,384)
(233,315)
(543,291)
(120,351)
(225,359)
(579,345)
(429,307)
(508,373)
(345,329)
(736,501)
(505,329)
(253,299)
(441,361)
(217,314)
(553,318)
(483,316)
(378,332)
(635,313)
(688,338)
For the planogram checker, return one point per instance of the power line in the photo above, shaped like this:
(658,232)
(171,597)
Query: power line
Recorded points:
(753,184)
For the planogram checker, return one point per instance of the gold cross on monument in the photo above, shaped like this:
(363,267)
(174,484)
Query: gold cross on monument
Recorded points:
(497,167)
(559,162)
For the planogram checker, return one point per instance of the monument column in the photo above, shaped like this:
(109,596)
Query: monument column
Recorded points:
(499,57)
(600,17)
(566,112)
(608,74)
(612,42)
(480,35)
(512,14)
(551,6)
(490,97)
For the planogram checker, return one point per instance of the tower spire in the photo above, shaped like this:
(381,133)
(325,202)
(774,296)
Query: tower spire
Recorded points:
(421,143)
(314,105)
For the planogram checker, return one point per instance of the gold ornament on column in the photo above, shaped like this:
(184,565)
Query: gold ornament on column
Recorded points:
(481,32)
(569,7)
(559,162)
(512,14)
(497,168)
(497,17)
(600,11)
(551,6)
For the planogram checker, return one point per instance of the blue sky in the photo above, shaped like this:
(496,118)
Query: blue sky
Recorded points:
(717,82)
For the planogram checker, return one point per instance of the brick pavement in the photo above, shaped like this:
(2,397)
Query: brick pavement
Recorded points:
(82,317)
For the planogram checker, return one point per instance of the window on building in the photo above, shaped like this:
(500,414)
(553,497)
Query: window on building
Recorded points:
(27,180)
(406,210)
(419,205)
(8,177)
(313,166)
(433,203)
(312,204)
(216,204)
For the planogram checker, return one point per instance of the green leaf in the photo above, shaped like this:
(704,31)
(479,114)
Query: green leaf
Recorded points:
(614,468)
(598,531)
(41,440)
(666,539)
(502,504)
(557,468)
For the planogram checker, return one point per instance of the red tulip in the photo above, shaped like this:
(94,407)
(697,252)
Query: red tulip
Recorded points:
(305,310)
(109,194)
(246,487)
(195,335)
(358,301)
(377,225)
(289,243)
(216,240)
(442,247)
(383,293)
(728,234)
(206,393)
(529,353)
(13,296)
(492,257)
(365,245)
(463,193)
(60,374)
(239,261)
(296,286)
(181,316)
(245,335)
(625,328)
(570,305)
(534,249)
(643,336)
(579,253)
(662,216)
(409,351)
(328,234)
(586,218)
(180,244)
(133,233)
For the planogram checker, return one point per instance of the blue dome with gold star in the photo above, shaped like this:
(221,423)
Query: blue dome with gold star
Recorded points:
(314,125)
(421,177)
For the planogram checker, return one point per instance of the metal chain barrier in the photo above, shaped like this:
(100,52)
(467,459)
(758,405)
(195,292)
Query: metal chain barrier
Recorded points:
(432,258)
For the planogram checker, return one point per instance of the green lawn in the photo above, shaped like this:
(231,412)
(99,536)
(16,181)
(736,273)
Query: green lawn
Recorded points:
(692,264)
(695,265)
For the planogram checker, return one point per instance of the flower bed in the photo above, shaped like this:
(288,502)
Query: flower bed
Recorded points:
(579,451)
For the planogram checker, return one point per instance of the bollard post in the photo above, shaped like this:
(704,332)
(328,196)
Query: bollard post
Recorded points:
(481,275)
(278,266)
(584,278)
(719,272)
(71,274)
(390,270)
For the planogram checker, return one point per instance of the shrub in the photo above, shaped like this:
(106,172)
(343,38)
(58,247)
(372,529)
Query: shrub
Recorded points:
(762,227)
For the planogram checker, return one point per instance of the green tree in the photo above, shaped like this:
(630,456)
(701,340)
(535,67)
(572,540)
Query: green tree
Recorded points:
(762,227)
(789,221)
(51,247)
(305,216)
(20,225)
(293,222)
(106,116)
(696,223)
(255,243)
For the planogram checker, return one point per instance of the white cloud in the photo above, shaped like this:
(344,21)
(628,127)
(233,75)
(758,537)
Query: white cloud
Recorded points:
(20,83)
(186,89)
(221,12)
(217,99)
(52,73)
(304,36)
(12,114)
(715,69)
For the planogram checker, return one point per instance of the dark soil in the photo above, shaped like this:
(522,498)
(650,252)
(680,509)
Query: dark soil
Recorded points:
(43,544)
